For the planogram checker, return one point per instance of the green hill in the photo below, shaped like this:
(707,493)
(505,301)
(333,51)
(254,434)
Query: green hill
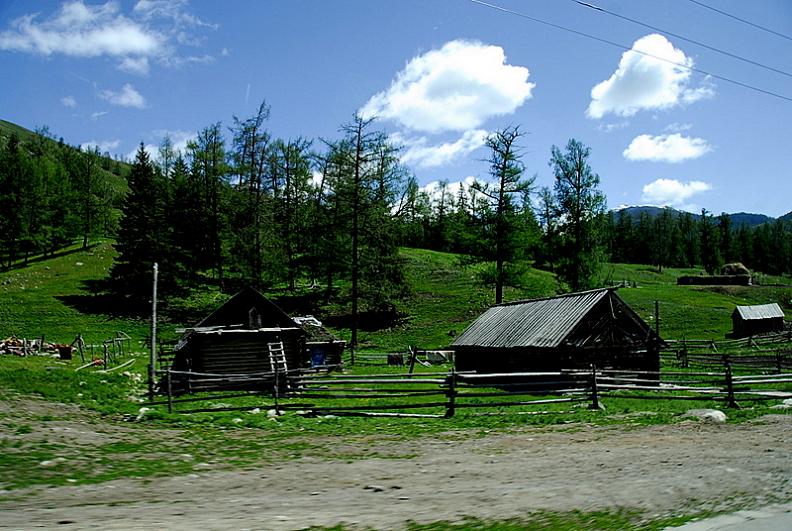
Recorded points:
(56,298)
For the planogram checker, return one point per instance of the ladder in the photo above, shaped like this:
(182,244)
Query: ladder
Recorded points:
(277,358)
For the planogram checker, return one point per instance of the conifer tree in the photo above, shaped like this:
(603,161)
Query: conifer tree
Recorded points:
(582,208)
(143,237)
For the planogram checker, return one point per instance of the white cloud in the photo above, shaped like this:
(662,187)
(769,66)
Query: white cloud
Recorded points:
(68,101)
(434,189)
(644,82)
(455,88)
(418,151)
(666,148)
(671,192)
(126,97)
(98,114)
(170,9)
(677,127)
(82,31)
(154,29)
(609,128)
(135,65)
(104,146)
(178,137)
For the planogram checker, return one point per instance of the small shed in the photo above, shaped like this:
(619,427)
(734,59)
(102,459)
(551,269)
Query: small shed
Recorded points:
(322,348)
(760,319)
(235,338)
(565,332)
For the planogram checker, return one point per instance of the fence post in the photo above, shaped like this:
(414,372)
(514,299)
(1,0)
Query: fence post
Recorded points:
(451,393)
(594,392)
(778,362)
(730,401)
(276,390)
(413,355)
(170,391)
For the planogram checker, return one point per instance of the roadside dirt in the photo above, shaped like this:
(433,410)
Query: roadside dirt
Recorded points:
(662,470)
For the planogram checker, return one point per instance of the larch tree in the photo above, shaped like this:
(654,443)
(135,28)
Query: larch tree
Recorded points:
(503,243)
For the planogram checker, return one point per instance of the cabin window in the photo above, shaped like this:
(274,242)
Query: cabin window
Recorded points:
(254,319)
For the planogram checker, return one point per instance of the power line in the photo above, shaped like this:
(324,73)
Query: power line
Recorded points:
(629,48)
(676,35)
(735,17)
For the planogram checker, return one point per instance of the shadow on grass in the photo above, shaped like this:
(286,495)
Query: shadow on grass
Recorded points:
(97,298)
(371,321)
(21,263)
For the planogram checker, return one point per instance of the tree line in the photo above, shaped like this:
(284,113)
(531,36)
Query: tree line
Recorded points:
(680,239)
(242,207)
(52,194)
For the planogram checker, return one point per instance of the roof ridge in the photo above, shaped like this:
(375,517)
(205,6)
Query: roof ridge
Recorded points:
(562,296)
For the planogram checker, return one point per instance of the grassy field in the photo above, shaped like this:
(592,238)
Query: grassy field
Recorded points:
(57,298)
(44,400)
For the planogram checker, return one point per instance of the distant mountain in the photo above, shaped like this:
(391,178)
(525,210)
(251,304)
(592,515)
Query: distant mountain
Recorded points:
(738,219)
(786,217)
(752,220)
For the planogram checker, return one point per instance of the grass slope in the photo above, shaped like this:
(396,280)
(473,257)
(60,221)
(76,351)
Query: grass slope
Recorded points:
(694,312)
(43,299)
(53,297)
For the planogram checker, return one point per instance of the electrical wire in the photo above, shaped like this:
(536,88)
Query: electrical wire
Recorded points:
(629,48)
(676,35)
(735,17)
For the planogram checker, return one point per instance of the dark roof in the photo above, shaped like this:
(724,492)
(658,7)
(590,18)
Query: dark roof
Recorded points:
(759,312)
(545,323)
(235,311)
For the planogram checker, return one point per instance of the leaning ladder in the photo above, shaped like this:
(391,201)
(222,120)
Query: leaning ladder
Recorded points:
(277,358)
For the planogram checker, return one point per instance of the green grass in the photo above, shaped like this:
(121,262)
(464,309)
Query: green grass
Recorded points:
(40,299)
(557,521)
(45,299)
(447,298)
(693,312)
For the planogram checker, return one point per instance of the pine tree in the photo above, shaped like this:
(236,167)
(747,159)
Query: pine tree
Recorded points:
(582,208)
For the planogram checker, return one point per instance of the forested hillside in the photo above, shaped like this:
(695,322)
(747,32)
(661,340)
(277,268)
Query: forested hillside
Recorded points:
(243,207)
(53,193)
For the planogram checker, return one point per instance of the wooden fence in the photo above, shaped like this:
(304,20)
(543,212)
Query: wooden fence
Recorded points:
(760,353)
(402,395)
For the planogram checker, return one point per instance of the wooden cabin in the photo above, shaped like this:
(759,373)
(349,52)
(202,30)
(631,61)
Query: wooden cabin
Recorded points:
(755,320)
(235,339)
(566,332)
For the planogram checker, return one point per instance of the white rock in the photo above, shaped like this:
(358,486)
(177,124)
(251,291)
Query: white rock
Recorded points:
(237,420)
(272,413)
(255,411)
(52,462)
(707,415)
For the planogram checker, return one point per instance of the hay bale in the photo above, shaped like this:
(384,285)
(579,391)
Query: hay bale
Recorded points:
(735,268)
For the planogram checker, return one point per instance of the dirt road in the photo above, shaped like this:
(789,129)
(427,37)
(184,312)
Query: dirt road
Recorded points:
(663,470)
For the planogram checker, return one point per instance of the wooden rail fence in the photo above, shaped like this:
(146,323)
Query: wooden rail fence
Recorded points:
(401,395)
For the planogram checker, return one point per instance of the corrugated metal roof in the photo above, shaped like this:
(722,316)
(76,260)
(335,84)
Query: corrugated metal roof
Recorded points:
(760,311)
(535,323)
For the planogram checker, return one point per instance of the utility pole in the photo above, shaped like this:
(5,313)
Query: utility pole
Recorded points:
(153,353)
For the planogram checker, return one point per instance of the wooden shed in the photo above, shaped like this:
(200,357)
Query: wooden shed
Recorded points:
(322,348)
(566,332)
(754,320)
(235,338)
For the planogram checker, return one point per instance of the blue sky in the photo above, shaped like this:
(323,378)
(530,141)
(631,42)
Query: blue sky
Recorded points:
(439,74)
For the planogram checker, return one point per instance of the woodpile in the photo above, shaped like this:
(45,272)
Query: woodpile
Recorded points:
(34,347)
